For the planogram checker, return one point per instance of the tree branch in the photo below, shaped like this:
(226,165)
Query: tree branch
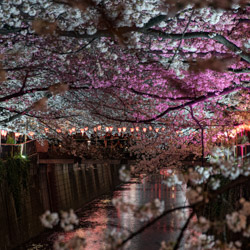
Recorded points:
(168,110)
(178,241)
(159,97)
(202,134)
(149,224)
(219,38)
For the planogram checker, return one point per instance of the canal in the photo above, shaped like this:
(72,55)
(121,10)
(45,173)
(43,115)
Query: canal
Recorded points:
(99,215)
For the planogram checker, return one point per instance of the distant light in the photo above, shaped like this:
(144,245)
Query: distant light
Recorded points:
(31,134)
(17,135)
(3,132)
(23,156)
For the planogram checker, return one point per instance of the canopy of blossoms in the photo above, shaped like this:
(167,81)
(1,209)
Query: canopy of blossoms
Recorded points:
(82,63)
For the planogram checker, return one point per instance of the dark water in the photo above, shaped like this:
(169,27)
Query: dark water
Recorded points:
(99,215)
(52,187)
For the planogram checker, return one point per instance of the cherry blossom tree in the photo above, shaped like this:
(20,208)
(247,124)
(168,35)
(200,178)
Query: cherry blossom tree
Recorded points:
(182,66)
(126,62)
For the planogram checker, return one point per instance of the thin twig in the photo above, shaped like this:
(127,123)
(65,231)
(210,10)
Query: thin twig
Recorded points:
(177,49)
(178,241)
(152,222)
(202,134)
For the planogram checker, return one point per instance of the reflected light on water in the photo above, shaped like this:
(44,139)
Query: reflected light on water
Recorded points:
(101,215)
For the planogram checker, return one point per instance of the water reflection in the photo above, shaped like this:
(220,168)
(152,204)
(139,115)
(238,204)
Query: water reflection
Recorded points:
(100,215)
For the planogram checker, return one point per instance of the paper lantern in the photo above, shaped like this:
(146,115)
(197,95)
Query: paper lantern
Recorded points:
(95,129)
(73,129)
(31,134)
(46,130)
(157,130)
(150,128)
(82,130)
(162,129)
(17,135)
(110,129)
(70,131)
(3,133)
(144,130)
(86,129)
(137,129)
(107,129)
(119,130)
(132,130)
(124,129)
(59,130)
(99,127)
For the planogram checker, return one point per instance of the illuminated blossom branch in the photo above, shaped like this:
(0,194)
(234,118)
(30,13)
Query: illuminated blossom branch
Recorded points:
(189,103)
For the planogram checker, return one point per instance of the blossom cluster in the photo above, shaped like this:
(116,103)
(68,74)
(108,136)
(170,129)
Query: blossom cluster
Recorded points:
(237,221)
(144,212)
(67,220)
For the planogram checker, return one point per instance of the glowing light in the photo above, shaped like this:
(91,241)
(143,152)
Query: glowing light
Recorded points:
(150,128)
(31,134)
(144,130)
(137,129)
(132,130)
(124,129)
(95,129)
(3,132)
(59,131)
(157,130)
(86,128)
(17,135)
(119,130)
(162,129)
(107,129)
(110,129)
(82,130)
(99,127)
(70,131)
(73,129)
(46,130)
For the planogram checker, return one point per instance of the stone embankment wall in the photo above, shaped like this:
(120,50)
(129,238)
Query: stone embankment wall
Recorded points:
(55,187)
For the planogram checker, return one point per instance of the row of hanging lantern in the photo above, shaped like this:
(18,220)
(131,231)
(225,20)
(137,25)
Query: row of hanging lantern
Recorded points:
(4,134)
(234,132)
(110,129)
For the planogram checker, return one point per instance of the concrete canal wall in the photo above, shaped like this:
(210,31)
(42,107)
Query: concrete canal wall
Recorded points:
(53,186)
